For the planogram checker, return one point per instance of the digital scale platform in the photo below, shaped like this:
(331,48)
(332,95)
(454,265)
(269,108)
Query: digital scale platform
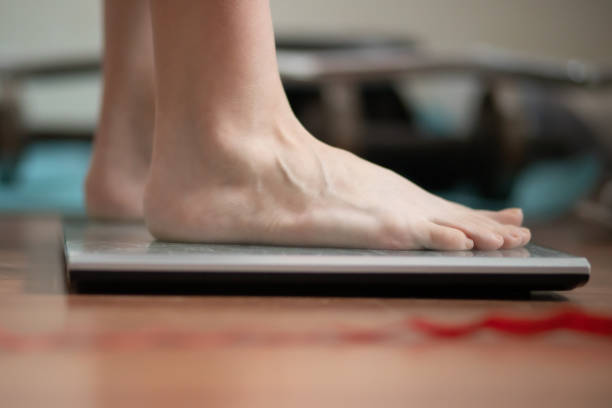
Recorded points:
(125,255)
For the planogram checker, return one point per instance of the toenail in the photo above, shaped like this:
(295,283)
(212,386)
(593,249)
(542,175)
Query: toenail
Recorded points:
(469,244)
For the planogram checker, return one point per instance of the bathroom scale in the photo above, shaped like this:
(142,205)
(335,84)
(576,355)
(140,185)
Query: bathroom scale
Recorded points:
(124,255)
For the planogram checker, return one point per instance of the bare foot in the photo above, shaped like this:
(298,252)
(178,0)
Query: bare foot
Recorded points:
(283,186)
(232,164)
(120,160)
(114,186)
(122,148)
(121,156)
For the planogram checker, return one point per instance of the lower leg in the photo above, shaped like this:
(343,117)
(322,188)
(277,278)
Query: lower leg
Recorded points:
(231,163)
(123,141)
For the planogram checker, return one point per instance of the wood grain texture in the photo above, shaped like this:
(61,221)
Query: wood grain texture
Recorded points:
(487,369)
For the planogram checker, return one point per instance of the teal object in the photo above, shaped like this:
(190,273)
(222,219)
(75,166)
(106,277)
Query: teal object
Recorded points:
(548,189)
(544,190)
(49,178)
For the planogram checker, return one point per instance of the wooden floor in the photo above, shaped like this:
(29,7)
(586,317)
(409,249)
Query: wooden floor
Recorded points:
(70,350)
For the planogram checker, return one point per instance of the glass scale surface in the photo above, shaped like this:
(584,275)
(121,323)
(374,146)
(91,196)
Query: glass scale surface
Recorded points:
(115,254)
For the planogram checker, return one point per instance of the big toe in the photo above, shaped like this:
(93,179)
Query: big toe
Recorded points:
(512,216)
(514,236)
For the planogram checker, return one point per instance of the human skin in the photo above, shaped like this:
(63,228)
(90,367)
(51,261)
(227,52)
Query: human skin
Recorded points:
(123,141)
(231,163)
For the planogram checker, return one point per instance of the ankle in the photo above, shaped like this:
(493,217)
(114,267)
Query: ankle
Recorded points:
(124,137)
(195,143)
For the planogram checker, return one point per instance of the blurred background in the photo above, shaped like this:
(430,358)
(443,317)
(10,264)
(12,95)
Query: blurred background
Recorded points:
(490,103)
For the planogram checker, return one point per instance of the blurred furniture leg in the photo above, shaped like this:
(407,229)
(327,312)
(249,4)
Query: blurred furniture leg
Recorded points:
(11,130)
(498,147)
(343,115)
(598,209)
